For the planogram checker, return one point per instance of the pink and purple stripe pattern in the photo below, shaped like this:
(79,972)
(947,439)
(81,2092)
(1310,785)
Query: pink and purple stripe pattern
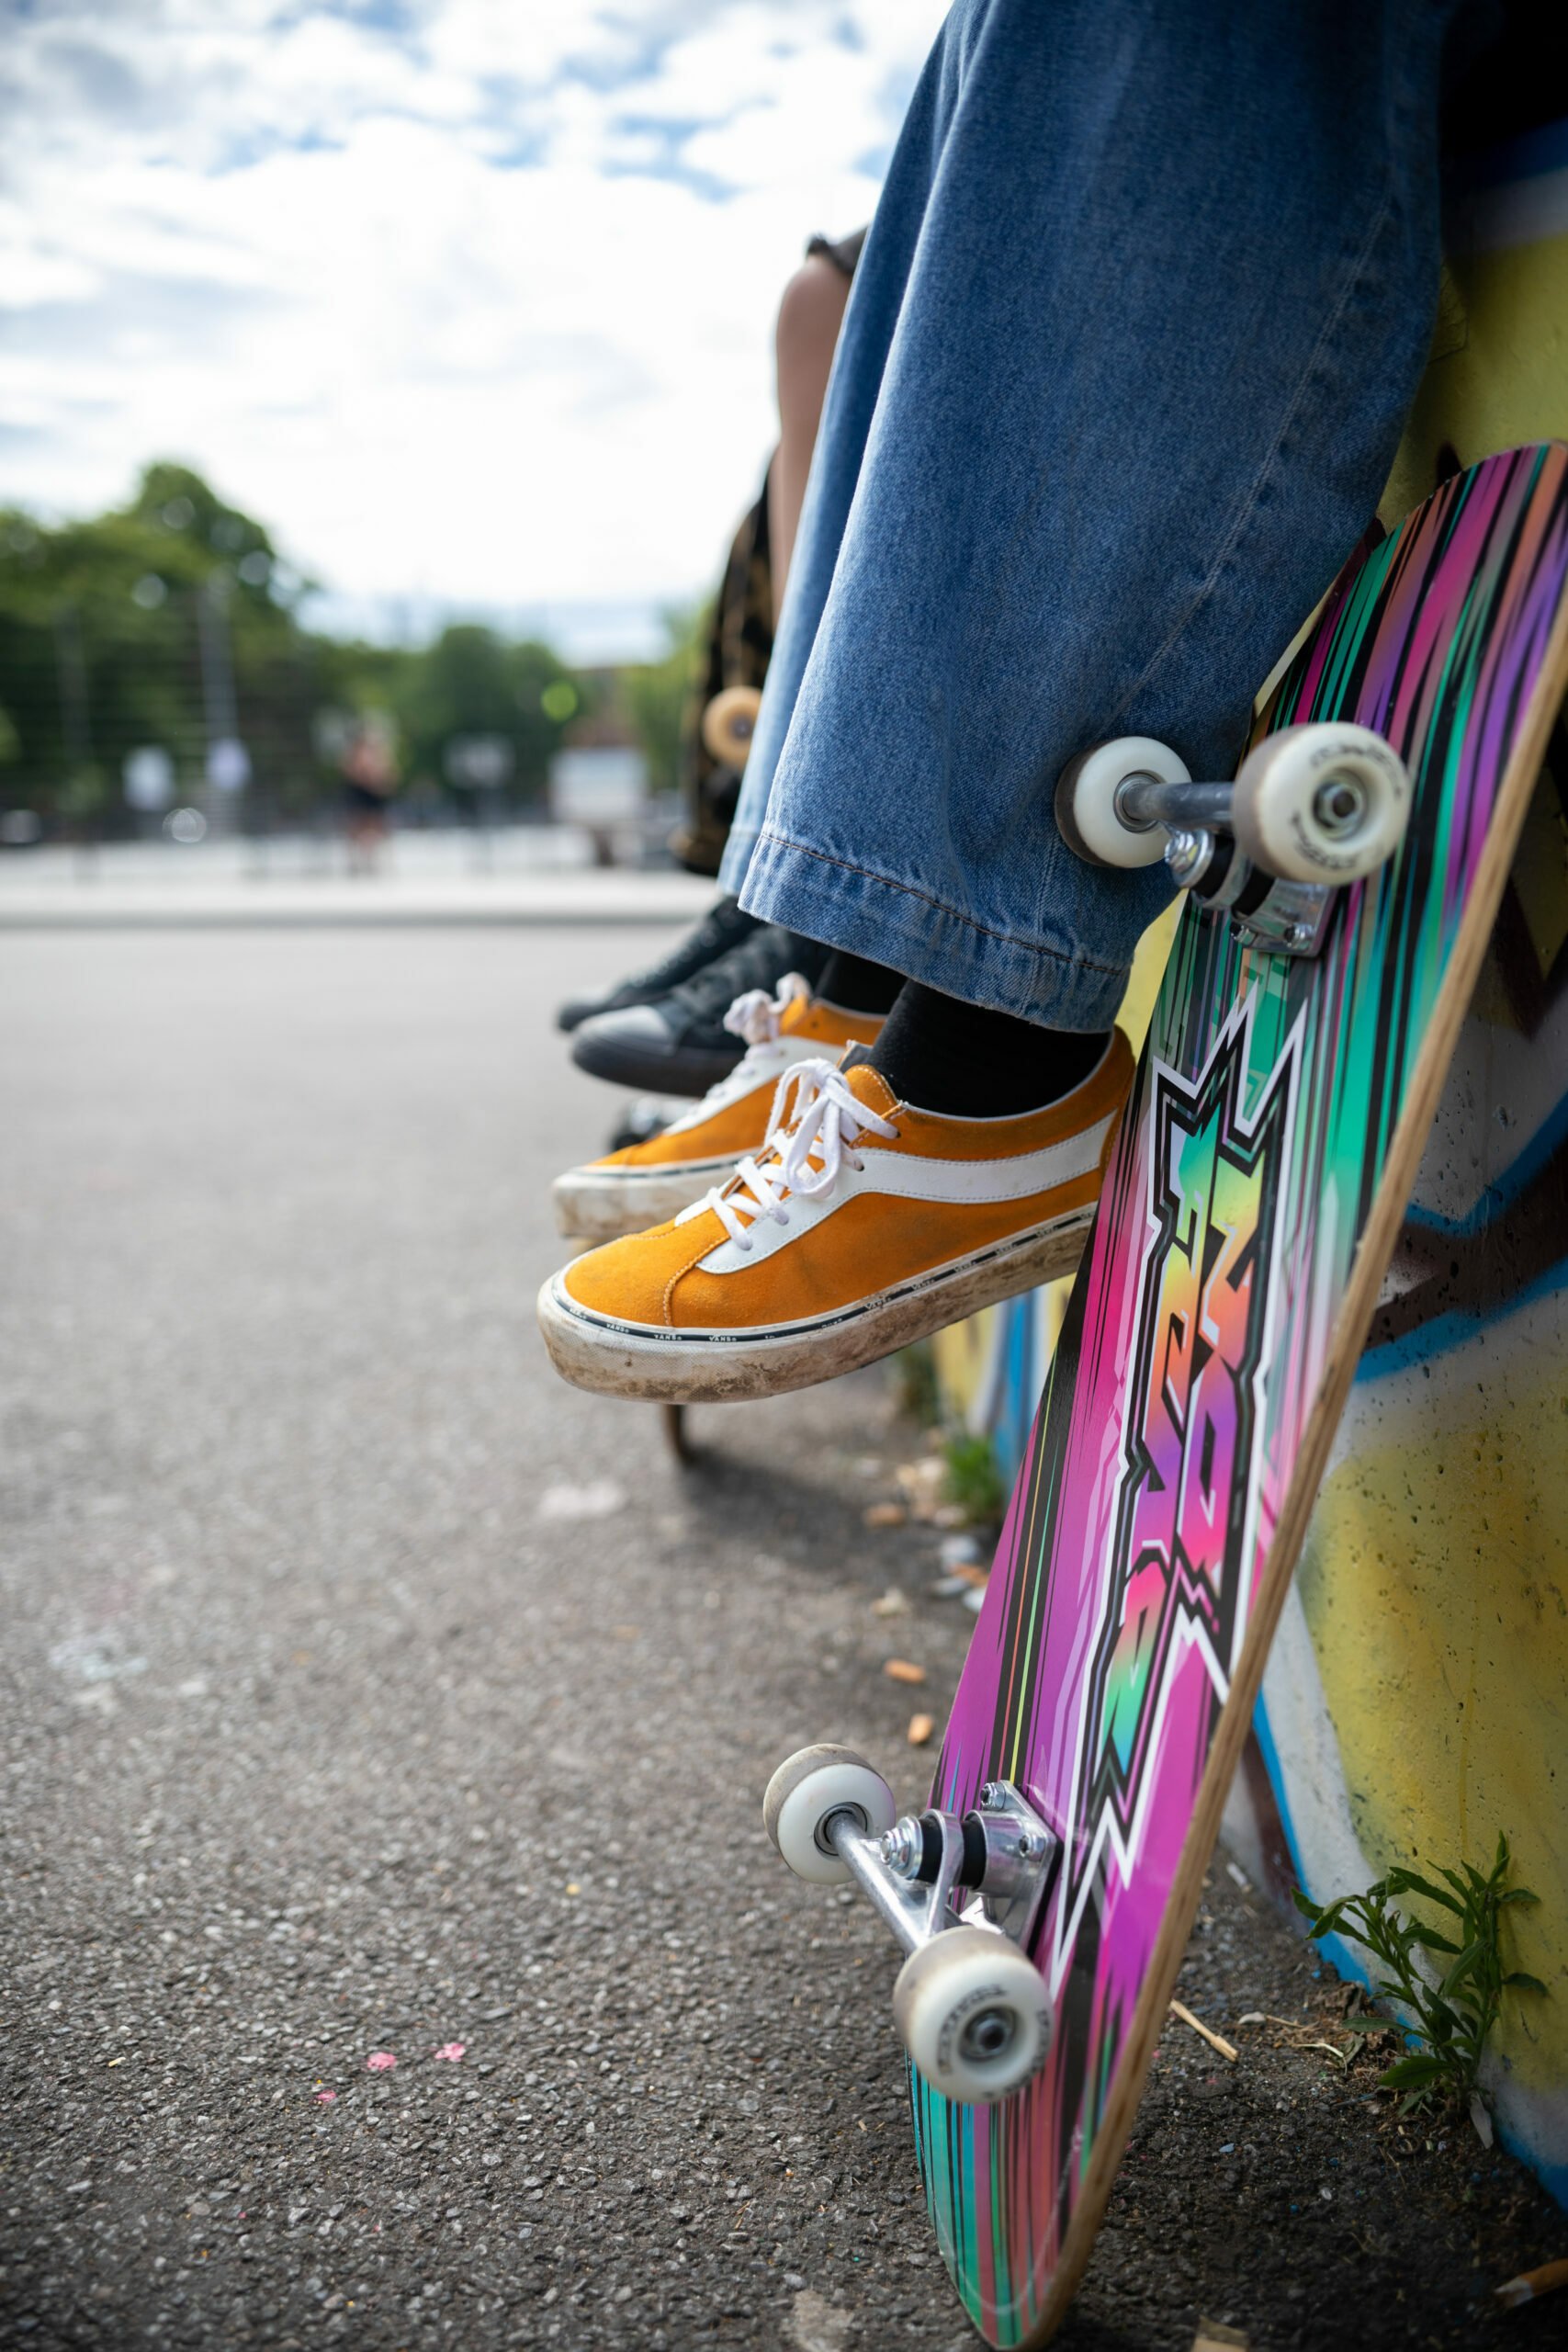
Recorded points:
(1201,1321)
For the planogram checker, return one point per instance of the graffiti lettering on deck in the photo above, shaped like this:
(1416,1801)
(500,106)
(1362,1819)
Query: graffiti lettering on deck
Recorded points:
(1177,1572)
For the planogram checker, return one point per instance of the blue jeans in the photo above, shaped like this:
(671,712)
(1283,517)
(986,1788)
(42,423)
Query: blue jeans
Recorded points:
(1146,297)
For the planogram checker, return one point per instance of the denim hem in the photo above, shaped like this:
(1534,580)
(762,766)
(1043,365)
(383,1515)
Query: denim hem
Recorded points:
(735,863)
(891,922)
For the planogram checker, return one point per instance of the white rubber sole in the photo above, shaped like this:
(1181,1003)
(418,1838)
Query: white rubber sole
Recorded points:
(688,1368)
(594,1204)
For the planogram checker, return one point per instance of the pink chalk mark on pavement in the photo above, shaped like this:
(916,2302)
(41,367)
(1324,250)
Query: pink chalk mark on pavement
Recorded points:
(325,2099)
(381,2062)
(453,2050)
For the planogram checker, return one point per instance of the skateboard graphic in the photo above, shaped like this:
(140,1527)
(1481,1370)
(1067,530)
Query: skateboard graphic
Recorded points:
(1303,1029)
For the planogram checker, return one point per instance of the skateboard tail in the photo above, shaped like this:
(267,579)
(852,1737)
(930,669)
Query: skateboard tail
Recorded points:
(1249,1210)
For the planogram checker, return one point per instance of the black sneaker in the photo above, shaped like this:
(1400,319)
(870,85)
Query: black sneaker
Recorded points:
(723,927)
(680,1046)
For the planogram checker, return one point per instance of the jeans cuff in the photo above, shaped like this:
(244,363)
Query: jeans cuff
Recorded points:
(734,866)
(896,924)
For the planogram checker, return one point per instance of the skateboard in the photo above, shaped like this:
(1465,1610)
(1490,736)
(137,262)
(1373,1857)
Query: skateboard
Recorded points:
(1339,900)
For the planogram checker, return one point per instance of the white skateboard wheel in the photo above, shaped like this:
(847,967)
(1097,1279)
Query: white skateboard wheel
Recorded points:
(805,1791)
(729,724)
(1086,814)
(1324,803)
(974,2013)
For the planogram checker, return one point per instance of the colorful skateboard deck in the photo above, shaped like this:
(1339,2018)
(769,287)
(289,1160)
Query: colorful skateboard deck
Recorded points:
(1247,1219)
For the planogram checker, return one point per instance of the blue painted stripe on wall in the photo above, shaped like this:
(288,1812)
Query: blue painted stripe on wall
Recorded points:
(1447,1333)
(1543,1147)
(1524,158)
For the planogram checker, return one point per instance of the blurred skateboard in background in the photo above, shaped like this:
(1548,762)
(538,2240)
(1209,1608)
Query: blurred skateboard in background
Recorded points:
(730,721)
(1339,898)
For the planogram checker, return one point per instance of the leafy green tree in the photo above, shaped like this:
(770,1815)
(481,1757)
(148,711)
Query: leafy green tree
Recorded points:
(114,631)
(473,681)
(174,618)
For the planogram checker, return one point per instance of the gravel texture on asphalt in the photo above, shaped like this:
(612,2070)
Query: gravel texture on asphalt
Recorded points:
(393,1956)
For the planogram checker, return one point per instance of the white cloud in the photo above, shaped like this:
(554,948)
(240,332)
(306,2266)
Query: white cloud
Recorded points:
(473,303)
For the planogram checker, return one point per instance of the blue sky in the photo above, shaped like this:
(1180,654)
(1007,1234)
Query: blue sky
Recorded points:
(470,300)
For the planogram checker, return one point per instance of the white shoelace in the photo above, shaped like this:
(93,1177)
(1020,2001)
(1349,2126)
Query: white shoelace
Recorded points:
(756,1015)
(758,1018)
(813,1127)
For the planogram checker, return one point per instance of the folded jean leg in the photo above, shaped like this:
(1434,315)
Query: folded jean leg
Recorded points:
(1144,304)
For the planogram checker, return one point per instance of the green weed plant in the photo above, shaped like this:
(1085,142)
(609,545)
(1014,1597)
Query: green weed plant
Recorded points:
(1448,1980)
(973,1477)
(919,1392)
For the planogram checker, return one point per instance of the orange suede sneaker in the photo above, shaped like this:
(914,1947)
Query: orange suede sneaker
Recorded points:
(867,1225)
(647,1182)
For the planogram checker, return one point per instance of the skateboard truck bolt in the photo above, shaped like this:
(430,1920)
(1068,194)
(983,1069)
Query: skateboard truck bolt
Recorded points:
(903,1849)
(1340,803)
(1188,854)
(986,2035)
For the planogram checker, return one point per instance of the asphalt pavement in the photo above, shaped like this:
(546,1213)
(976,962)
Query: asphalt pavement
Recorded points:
(392,1953)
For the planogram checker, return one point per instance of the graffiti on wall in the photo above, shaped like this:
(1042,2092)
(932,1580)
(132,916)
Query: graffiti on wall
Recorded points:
(1417,1701)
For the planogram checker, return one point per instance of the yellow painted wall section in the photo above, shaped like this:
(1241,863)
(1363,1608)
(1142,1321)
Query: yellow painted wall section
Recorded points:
(1498,375)
(1434,1584)
(1435,1587)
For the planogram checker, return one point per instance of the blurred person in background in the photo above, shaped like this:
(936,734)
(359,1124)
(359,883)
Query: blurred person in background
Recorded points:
(369,770)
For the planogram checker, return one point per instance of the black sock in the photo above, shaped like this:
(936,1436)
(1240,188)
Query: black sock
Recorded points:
(854,985)
(942,1055)
(809,957)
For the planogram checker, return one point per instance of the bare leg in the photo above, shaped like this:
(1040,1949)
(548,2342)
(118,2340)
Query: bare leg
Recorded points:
(809,318)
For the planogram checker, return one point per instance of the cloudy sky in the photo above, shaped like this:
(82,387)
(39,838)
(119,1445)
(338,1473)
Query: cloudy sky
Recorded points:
(472,301)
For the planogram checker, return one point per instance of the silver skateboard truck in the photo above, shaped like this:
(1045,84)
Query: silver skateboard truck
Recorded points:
(960,1893)
(1312,809)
